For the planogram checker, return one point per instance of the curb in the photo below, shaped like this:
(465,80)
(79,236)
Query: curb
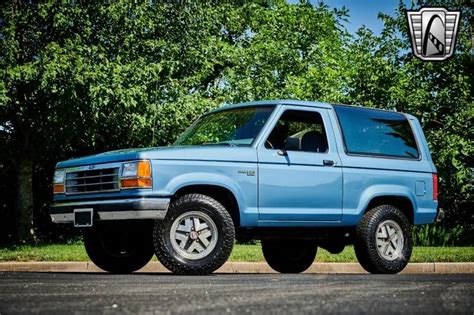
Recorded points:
(239,267)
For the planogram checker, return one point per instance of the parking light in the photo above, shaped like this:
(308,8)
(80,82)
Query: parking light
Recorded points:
(58,182)
(136,175)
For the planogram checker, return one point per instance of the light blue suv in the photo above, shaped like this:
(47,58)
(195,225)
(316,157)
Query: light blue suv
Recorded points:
(296,175)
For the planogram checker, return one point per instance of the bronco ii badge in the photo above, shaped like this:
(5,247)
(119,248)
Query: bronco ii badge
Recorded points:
(433,32)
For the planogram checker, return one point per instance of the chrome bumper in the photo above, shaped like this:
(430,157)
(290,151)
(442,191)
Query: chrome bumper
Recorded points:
(121,209)
(440,215)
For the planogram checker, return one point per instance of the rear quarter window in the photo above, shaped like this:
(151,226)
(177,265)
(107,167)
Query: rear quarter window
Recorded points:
(375,132)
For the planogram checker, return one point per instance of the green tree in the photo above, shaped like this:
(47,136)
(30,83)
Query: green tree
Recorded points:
(289,51)
(83,77)
(386,74)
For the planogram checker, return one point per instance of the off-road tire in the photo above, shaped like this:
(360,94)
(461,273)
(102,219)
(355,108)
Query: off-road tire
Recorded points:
(172,259)
(119,246)
(289,256)
(365,245)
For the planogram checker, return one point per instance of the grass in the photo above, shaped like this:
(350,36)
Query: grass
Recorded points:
(250,253)
(420,254)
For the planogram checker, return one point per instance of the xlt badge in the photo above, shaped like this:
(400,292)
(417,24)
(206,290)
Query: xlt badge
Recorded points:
(247,172)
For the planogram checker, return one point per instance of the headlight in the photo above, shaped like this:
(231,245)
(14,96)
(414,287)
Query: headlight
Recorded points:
(58,182)
(129,169)
(136,175)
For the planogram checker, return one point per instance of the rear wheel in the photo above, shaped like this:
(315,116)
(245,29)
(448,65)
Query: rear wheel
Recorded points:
(383,240)
(289,256)
(119,246)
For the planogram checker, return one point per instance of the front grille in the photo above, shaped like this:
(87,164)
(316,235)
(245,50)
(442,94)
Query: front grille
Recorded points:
(90,181)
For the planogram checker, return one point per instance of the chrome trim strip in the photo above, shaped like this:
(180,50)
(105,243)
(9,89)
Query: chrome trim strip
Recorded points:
(93,184)
(114,215)
(126,215)
(91,167)
(162,203)
(62,217)
(91,192)
(159,210)
(95,176)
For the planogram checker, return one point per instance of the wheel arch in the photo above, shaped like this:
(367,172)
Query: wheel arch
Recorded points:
(403,203)
(220,193)
(396,195)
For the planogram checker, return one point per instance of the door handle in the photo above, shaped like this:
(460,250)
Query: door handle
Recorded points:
(328,163)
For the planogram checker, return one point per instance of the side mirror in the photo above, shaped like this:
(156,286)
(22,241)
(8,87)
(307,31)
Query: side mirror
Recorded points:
(291,144)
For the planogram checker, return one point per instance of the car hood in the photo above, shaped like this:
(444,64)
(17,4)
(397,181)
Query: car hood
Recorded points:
(191,153)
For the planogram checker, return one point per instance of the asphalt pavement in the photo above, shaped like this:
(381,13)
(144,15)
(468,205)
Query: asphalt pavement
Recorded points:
(54,293)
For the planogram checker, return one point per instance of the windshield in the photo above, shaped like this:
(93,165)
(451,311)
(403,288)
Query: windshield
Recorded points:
(234,127)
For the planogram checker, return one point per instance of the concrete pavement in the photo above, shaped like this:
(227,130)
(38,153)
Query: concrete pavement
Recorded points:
(163,293)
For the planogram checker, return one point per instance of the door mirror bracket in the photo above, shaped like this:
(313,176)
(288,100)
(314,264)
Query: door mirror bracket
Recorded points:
(282,152)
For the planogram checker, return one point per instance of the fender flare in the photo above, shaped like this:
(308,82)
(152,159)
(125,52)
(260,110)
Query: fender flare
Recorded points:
(385,191)
(206,178)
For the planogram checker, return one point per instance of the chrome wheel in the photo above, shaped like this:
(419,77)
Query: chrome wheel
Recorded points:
(389,240)
(193,235)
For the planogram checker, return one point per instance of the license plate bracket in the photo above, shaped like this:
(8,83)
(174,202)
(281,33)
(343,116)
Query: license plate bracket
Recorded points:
(83,217)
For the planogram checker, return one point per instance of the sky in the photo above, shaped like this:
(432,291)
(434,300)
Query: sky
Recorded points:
(363,12)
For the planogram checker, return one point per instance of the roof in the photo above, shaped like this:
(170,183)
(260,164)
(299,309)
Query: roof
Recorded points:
(289,102)
(273,102)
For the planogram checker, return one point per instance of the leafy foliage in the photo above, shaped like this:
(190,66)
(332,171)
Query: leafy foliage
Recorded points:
(83,77)
(439,93)
(438,235)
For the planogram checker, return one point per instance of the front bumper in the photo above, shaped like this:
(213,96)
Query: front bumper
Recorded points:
(115,209)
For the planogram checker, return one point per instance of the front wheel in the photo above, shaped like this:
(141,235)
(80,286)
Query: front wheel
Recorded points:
(289,256)
(383,240)
(196,237)
(119,246)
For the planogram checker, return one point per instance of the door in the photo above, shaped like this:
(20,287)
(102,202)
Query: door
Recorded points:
(302,185)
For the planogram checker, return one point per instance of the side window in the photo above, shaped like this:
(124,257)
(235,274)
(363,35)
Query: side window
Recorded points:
(375,132)
(305,125)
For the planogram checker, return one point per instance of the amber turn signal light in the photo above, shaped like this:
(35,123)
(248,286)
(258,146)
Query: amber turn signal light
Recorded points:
(144,169)
(58,188)
(136,183)
(136,175)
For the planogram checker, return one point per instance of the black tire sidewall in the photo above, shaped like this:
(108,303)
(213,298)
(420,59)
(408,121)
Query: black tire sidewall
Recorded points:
(289,256)
(366,246)
(140,234)
(171,259)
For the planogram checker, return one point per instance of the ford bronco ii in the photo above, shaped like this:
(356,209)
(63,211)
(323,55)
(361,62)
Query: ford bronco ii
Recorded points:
(296,175)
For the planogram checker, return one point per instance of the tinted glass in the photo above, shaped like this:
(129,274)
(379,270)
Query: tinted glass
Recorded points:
(305,125)
(237,126)
(376,132)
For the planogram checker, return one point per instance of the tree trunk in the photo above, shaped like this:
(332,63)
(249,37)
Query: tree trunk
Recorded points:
(24,199)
